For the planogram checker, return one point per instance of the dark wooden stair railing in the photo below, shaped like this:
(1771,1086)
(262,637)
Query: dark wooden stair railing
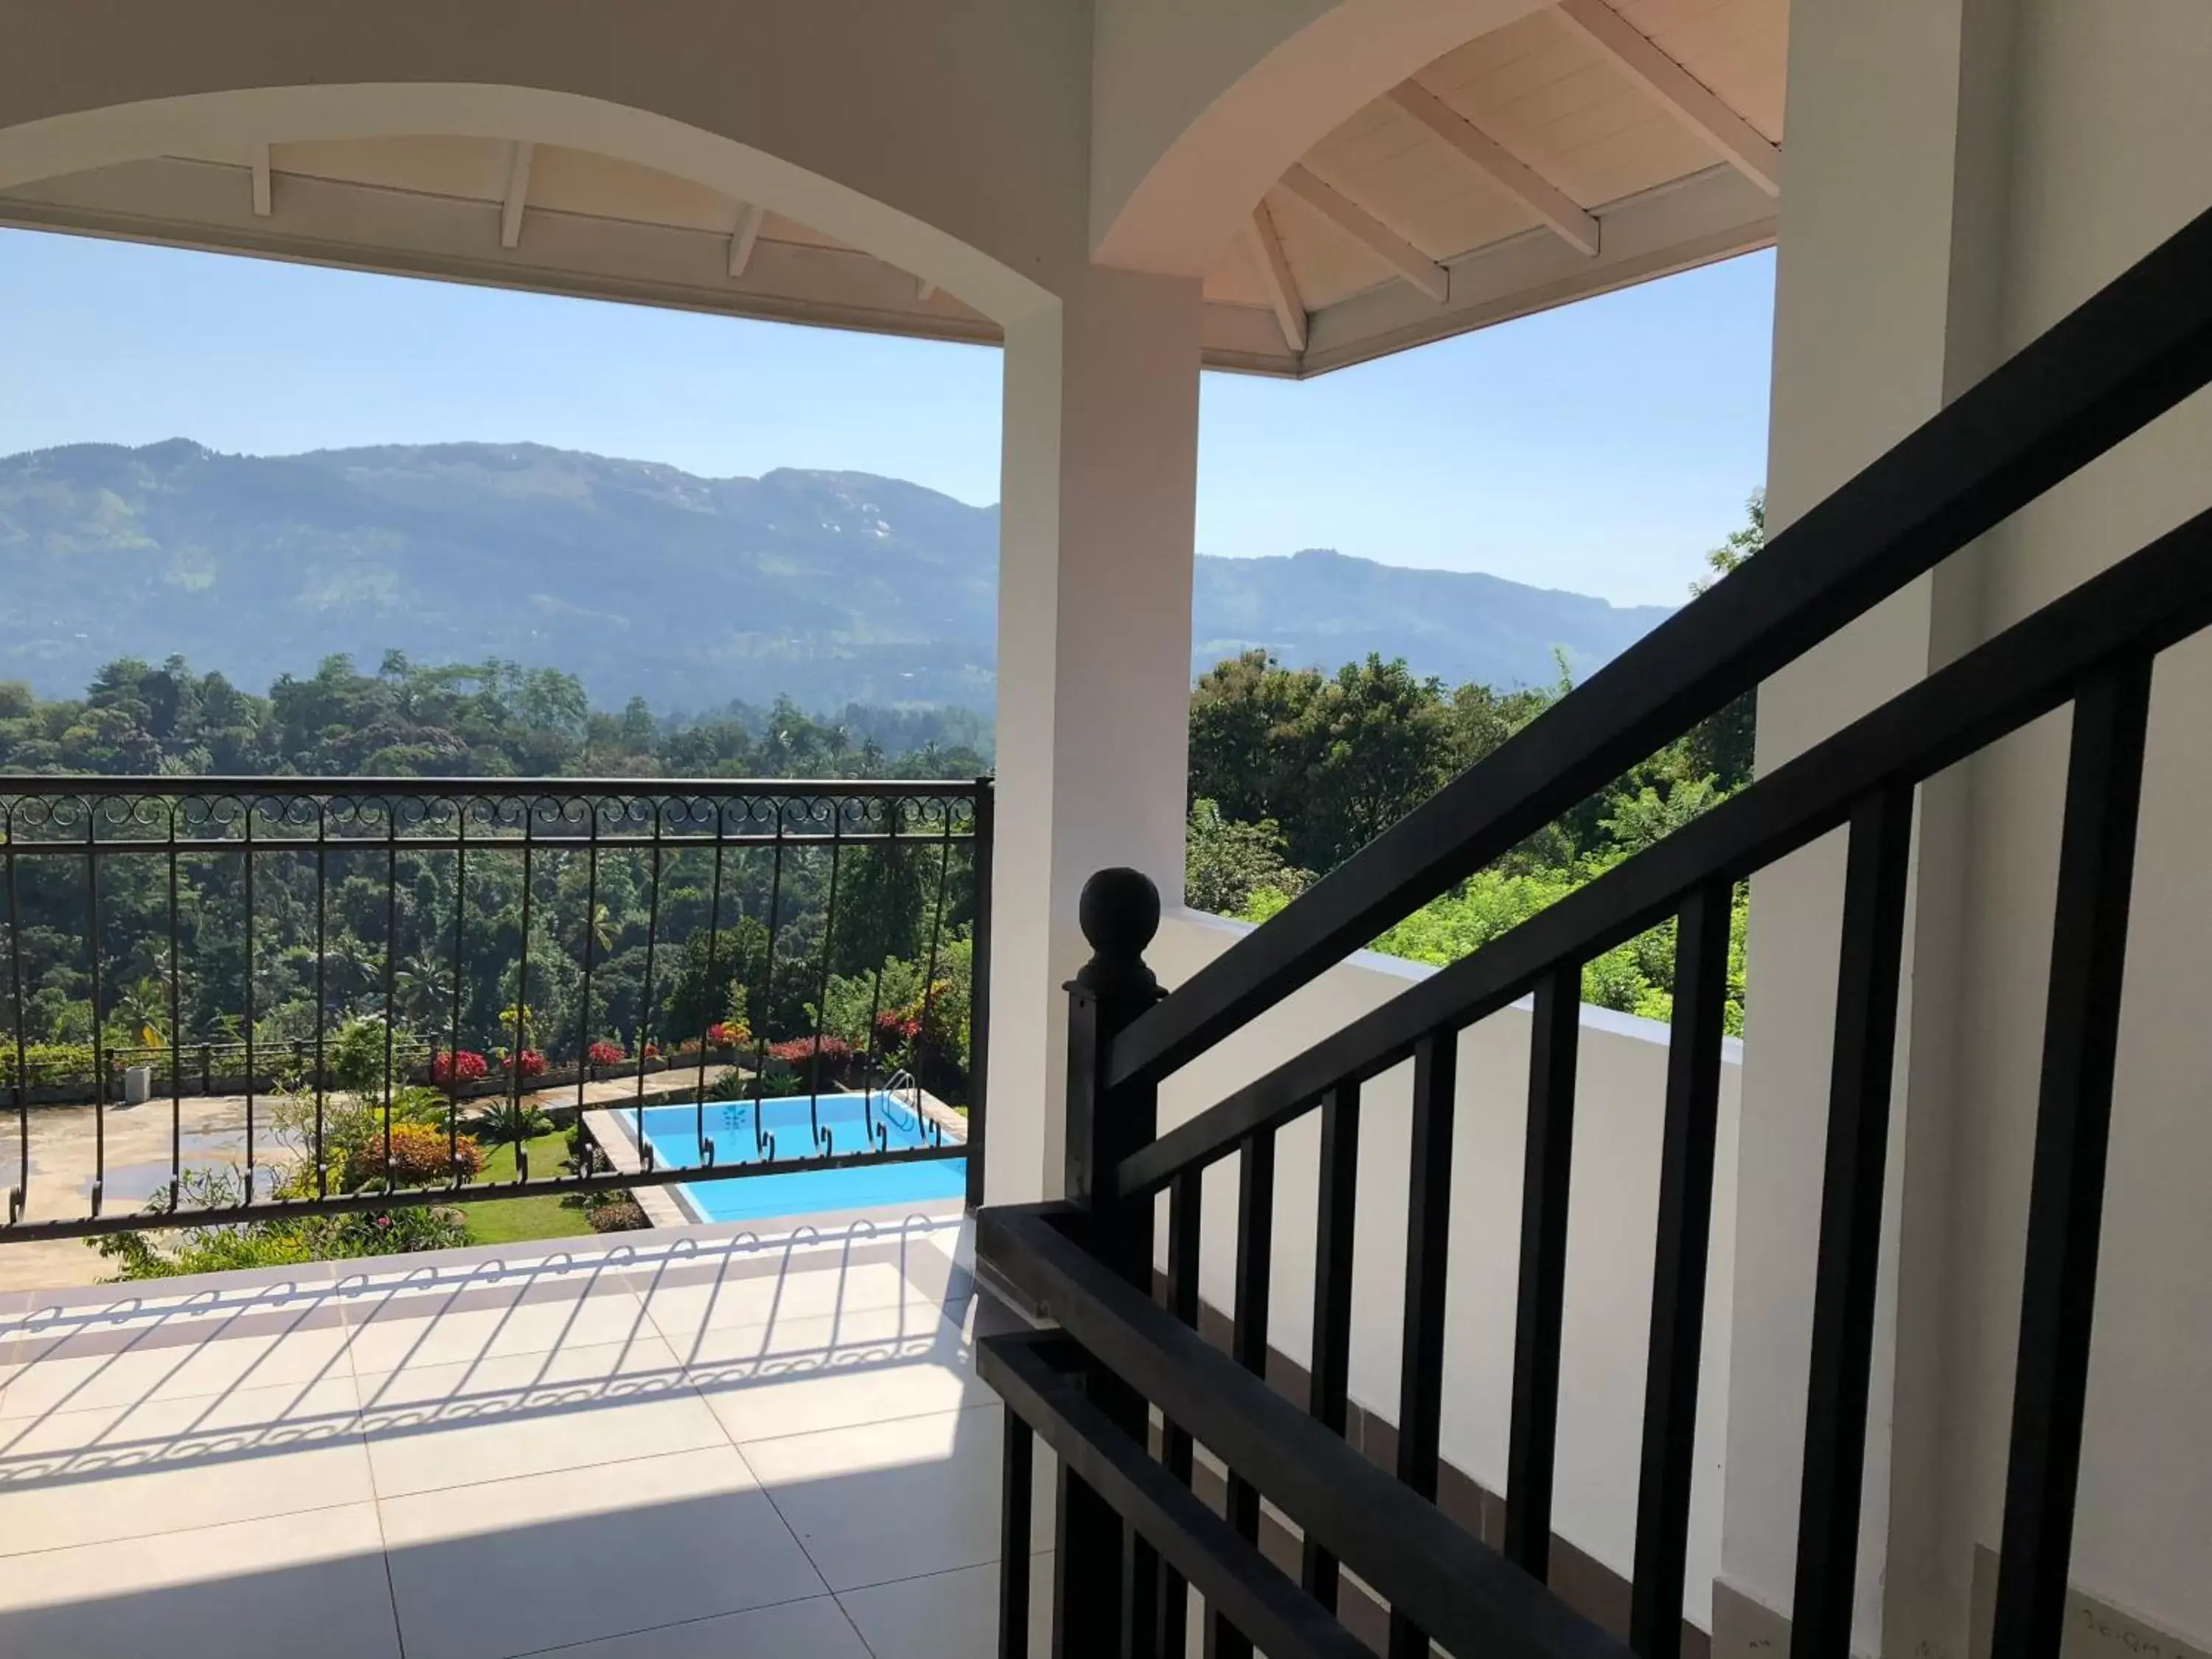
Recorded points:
(1131,1537)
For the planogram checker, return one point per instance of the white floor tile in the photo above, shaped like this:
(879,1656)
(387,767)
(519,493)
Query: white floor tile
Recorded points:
(763,1291)
(175,1465)
(805,1375)
(948,1615)
(814,1628)
(515,1565)
(313,1582)
(174,1361)
(434,1427)
(896,1499)
(402,1329)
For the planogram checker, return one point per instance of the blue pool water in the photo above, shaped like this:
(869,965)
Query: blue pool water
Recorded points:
(673,1131)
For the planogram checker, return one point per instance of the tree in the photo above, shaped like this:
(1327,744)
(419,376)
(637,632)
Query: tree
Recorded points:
(1241,712)
(1226,863)
(1371,745)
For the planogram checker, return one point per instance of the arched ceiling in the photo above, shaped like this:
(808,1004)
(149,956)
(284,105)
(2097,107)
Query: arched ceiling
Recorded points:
(1578,147)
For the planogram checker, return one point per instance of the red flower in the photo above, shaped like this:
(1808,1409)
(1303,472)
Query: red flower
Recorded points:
(529,1063)
(802,1051)
(604,1053)
(468,1067)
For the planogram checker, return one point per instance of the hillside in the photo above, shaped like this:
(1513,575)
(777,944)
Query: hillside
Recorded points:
(641,579)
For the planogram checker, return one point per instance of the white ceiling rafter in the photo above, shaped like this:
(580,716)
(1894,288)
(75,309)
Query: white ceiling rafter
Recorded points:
(1363,227)
(742,238)
(518,192)
(1499,166)
(1273,267)
(1689,100)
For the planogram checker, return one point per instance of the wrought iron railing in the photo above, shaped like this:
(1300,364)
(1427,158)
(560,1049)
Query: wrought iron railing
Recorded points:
(358,949)
(1131,1535)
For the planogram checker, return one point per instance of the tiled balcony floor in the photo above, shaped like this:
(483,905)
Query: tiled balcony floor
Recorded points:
(684,1443)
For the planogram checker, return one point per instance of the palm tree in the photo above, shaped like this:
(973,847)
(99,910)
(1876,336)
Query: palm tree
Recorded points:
(422,988)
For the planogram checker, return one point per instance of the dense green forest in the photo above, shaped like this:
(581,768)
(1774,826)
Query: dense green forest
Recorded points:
(1292,771)
(683,960)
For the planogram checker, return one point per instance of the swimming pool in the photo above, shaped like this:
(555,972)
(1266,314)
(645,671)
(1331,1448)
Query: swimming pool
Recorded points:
(673,1133)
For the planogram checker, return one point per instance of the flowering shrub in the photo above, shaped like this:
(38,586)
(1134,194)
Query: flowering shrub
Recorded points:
(448,1068)
(723,1034)
(604,1053)
(896,1027)
(528,1063)
(420,1156)
(652,1051)
(801,1051)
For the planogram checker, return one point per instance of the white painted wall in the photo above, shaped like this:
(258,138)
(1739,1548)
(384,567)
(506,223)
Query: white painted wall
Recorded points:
(1963,172)
(1612,1219)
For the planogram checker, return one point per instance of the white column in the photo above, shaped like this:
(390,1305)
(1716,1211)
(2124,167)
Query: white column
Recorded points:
(1885,309)
(1101,466)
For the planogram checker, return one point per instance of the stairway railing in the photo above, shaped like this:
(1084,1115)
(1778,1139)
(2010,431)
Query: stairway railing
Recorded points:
(1130,1537)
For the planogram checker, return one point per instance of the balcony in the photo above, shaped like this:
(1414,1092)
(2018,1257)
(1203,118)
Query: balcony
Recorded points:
(713,1441)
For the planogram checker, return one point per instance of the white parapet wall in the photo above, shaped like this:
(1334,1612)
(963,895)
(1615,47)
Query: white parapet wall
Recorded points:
(1611,1222)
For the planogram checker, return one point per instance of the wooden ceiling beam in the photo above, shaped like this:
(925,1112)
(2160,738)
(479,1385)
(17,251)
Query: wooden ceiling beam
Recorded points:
(1363,227)
(1274,269)
(1499,166)
(263,201)
(1689,100)
(518,192)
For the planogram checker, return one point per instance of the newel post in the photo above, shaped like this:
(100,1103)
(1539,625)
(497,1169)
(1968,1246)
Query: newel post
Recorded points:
(1101,1572)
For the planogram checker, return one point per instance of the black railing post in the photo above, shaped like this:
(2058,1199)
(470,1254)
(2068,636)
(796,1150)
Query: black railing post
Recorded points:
(1105,1581)
(979,987)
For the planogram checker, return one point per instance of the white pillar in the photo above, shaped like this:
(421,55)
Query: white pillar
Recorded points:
(1886,286)
(1101,466)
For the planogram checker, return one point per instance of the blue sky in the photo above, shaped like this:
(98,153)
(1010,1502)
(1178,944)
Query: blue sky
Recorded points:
(1599,447)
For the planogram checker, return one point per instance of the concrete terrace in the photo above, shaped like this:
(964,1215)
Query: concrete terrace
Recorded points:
(722,1441)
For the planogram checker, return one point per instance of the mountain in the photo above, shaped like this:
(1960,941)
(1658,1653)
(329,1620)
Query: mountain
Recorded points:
(639,578)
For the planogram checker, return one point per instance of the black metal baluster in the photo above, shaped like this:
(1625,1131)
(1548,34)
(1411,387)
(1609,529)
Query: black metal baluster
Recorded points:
(823,1143)
(1184,1200)
(876,1001)
(177,1029)
(981,842)
(19,1195)
(763,1142)
(929,974)
(584,1014)
(322,996)
(1868,964)
(99,1044)
(1677,1290)
(645,1002)
(2066,1188)
(1334,1207)
(706,1011)
(1255,1249)
(522,997)
(460,976)
(1548,1164)
(1014,1539)
(390,967)
(252,1003)
(1428,1243)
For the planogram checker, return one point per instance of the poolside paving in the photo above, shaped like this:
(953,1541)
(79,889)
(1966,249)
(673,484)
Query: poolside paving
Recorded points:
(660,1445)
(209,1131)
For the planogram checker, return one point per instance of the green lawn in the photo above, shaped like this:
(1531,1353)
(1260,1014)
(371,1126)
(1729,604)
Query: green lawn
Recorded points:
(543,1215)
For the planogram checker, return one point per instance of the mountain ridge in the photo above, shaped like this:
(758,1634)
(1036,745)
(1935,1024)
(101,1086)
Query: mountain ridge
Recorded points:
(643,579)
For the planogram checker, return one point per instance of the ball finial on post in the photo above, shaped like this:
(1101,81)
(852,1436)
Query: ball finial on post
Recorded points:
(1119,912)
